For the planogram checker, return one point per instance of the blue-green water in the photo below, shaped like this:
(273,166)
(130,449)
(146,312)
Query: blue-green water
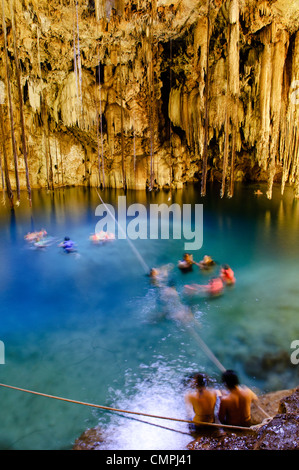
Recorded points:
(89,327)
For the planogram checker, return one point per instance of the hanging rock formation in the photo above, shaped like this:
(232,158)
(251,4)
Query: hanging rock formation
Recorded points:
(149,94)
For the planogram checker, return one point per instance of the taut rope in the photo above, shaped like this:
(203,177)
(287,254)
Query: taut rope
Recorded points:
(108,408)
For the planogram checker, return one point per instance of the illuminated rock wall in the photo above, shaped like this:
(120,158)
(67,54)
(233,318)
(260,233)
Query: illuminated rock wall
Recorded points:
(143,94)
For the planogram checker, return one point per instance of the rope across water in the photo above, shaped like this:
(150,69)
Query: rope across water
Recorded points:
(108,408)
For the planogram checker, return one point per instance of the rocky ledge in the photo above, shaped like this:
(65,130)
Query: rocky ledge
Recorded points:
(280,432)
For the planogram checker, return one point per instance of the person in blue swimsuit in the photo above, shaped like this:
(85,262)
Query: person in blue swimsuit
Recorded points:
(68,245)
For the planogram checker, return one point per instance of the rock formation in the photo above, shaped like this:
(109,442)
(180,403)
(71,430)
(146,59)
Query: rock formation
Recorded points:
(280,432)
(149,94)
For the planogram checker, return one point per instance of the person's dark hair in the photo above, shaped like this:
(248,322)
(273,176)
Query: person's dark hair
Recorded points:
(66,239)
(200,380)
(225,266)
(230,379)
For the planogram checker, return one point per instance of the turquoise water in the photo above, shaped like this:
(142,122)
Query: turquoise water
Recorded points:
(91,327)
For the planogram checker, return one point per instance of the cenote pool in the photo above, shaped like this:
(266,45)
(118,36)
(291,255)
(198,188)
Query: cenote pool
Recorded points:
(89,327)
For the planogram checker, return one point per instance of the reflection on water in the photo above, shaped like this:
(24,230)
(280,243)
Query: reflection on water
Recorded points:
(92,328)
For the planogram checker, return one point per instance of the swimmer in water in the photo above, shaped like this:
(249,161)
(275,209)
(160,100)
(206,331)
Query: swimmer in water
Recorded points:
(101,237)
(202,401)
(186,264)
(68,245)
(35,236)
(44,242)
(227,275)
(206,263)
(213,288)
(160,275)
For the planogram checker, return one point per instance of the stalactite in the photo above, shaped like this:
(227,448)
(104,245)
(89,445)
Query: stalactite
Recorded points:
(206,101)
(79,63)
(134,149)
(61,165)
(98,142)
(6,172)
(232,163)
(285,157)
(76,71)
(43,113)
(122,121)
(151,106)
(263,145)
(2,180)
(279,54)
(101,125)
(18,73)
(170,128)
(233,82)
(296,173)
(51,176)
(294,154)
(57,164)
(12,126)
(226,148)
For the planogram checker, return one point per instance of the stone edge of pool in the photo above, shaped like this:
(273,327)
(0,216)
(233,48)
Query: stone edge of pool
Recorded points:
(280,432)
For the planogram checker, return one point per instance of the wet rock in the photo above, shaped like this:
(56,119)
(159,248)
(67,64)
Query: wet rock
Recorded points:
(290,404)
(227,441)
(89,440)
(282,433)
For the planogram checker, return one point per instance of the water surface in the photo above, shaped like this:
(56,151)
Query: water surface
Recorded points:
(91,327)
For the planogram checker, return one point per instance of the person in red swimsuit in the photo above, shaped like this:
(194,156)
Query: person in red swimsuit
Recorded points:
(227,274)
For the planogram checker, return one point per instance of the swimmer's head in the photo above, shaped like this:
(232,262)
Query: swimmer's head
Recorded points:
(230,379)
(153,272)
(66,239)
(225,266)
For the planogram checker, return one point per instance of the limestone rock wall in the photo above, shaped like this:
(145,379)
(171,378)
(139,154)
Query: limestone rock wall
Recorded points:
(137,93)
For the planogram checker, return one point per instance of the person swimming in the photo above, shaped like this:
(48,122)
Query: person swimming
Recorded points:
(68,245)
(101,237)
(213,288)
(44,242)
(159,276)
(206,263)
(35,236)
(227,275)
(186,263)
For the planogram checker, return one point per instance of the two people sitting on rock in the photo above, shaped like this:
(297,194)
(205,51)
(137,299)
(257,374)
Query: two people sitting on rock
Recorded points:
(235,402)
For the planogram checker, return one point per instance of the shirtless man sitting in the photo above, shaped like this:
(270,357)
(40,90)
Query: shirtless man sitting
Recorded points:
(203,401)
(235,407)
